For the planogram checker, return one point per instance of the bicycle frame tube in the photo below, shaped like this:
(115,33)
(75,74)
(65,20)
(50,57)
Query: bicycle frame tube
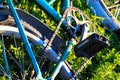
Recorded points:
(25,40)
(66,4)
(54,14)
(51,11)
(6,60)
(62,59)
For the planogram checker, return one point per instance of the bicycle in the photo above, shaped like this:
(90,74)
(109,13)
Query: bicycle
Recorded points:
(109,10)
(34,34)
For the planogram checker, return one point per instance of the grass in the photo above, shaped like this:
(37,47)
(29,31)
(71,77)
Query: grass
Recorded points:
(105,65)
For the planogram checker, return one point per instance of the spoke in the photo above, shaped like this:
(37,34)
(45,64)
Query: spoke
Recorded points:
(23,56)
(5,59)
(113,7)
(12,57)
(21,66)
(49,70)
(1,73)
(17,49)
(13,78)
(109,2)
(2,69)
(117,12)
(30,65)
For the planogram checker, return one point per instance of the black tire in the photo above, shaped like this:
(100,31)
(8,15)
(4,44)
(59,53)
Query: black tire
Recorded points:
(7,28)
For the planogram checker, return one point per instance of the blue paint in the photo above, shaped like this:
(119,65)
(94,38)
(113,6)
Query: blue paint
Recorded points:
(6,60)
(61,60)
(25,40)
(53,13)
(49,10)
(66,4)
(97,8)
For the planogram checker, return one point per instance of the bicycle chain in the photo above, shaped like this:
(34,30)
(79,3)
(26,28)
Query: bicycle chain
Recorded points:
(81,68)
(59,24)
(55,33)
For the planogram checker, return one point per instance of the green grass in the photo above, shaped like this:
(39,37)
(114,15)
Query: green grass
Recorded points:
(105,65)
(110,3)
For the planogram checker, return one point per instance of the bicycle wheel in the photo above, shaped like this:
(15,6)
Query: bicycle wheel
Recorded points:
(16,53)
(102,9)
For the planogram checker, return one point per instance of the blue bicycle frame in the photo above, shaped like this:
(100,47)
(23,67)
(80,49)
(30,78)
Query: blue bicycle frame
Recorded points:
(53,13)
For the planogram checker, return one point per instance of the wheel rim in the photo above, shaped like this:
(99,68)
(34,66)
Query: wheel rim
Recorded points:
(15,55)
(51,54)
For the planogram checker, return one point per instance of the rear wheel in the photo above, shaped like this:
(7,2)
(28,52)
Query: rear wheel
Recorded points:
(16,56)
(18,65)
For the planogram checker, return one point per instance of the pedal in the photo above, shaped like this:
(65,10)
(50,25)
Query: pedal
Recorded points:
(90,46)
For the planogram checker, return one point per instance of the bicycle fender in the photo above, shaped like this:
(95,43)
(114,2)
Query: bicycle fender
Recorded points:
(58,43)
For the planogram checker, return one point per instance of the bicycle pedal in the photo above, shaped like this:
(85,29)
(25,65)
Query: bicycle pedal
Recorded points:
(90,46)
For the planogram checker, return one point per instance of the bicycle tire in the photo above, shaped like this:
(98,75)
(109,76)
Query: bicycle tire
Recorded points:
(39,26)
(99,8)
(35,37)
